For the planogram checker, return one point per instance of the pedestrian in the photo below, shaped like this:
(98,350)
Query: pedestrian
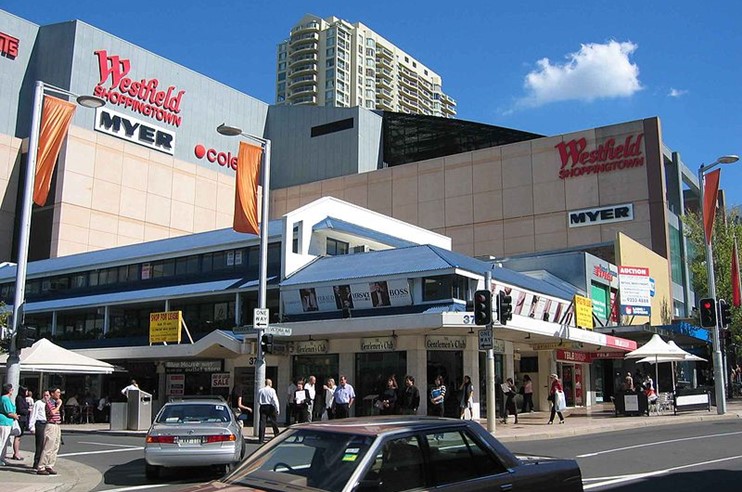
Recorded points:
(628,382)
(23,410)
(269,409)
(509,391)
(343,399)
(289,402)
(409,400)
(239,403)
(387,401)
(7,418)
(556,397)
(52,433)
(527,394)
(467,398)
(310,386)
(132,385)
(37,425)
(329,390)
(301,402)
(438,397)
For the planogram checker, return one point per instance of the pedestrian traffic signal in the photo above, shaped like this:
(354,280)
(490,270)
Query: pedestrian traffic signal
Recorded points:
(26,336)
(266,344)
(482,307)
(725,312)
(726,335)
(504,307)
(707,312)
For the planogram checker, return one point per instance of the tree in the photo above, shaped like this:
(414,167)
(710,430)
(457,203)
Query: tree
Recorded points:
(4,316)
(726,227)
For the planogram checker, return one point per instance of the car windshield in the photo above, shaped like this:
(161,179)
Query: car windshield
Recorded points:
(306,459)
(183,412)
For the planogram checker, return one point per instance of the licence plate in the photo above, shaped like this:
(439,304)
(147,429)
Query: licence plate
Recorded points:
(189,440)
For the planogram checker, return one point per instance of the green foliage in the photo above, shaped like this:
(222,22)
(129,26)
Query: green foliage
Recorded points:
(4,316)
(722,243)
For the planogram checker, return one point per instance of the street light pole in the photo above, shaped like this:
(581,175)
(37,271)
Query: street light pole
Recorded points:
(24,231)
(263,271)
(721,403)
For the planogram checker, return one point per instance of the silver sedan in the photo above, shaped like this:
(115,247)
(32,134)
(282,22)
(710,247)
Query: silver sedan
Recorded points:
(197,432)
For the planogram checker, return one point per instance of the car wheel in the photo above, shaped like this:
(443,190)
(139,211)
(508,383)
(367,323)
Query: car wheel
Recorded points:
(151,471)
(227,469)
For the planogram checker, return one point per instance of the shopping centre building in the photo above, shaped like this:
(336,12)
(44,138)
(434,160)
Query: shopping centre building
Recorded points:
(149,166)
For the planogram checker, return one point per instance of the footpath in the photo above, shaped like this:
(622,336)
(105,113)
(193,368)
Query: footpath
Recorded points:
(74,476)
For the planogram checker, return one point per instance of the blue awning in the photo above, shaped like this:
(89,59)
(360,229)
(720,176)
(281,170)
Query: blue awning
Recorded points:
(143,295)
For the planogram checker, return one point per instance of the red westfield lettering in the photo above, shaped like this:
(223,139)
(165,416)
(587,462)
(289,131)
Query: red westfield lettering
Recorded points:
(577,161)
(141,95)
(221,158)
(8,45)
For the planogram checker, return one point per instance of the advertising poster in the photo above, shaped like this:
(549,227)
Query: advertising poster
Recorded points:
(175,384)
(165,327)
(366,295)
(599,296)
(584,312)
(635,291)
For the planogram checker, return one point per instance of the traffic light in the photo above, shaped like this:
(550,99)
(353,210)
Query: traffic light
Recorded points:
(725,312)
(266,344)
(482,307)
(707,312)
(726,335)
(26,336)
(504,307)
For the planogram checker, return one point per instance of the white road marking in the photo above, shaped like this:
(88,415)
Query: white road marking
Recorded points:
(83,453)
(638,476)
(140,487)
(110,445)
(656,443)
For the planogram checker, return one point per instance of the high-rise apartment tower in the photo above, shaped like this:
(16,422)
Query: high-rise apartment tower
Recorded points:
(331,62)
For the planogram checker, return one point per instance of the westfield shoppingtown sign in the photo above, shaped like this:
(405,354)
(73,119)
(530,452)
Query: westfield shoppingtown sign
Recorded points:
(140,96)
(578,160)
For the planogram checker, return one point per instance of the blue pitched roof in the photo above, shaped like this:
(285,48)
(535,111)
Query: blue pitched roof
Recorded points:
(517,279)
(389,262)
(356,230)
(188,244)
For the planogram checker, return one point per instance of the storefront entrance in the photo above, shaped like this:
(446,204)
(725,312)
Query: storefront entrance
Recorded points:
(450,365)
(245,376)
(373,369)
(320,366)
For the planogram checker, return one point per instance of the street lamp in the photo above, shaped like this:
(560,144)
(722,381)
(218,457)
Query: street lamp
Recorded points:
(24,232)
(719,375)
(231,131)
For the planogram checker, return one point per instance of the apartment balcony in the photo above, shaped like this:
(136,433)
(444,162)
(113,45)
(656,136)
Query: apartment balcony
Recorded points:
(302,58)
(384,63)
(307,69)
(385,105)
(384,94)
(384,53)
(303,80)
(303,28)
(384,81)
(409,104)
(302,91)
(310,36)
(302,49)
(446,99)
(408,82)
(308,100)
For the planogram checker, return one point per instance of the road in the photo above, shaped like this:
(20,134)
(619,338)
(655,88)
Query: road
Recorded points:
(674,458)
(677,458)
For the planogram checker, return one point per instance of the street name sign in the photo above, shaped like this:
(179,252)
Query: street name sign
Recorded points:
(277,330)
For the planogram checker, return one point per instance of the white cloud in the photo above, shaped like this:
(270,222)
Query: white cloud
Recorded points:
(677,92)
(597,71)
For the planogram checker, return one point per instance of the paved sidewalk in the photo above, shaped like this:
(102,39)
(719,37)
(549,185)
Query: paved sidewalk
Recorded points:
(531,426)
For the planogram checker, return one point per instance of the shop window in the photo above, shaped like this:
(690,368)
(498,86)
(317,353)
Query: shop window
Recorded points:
(529,364)
(187,266)
(163,269)
(335,247)
(443,287)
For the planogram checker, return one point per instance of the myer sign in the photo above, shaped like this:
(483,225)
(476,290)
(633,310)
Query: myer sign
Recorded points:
(601,215)
(137,131)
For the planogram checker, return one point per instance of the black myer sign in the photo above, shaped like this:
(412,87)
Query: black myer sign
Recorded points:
(601,215)
(137,131)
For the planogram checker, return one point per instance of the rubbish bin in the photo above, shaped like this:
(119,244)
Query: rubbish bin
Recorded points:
(138,409)
(118,416)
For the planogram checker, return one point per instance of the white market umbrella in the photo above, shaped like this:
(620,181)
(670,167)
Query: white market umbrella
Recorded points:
(686,357)
(655,348)
(45,356)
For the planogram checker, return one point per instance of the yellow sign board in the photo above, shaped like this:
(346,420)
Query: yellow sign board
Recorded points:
(165,327)
(584,312)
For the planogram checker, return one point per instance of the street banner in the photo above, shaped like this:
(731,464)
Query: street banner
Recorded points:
(736,291)
(55,121)
(246,189)
(710,192)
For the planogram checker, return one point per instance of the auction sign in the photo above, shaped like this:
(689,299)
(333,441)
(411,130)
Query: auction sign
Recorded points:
(165,327)
(635,291)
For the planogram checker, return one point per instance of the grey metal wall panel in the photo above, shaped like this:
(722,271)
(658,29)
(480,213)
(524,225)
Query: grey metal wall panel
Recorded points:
(299,158)
(13,70)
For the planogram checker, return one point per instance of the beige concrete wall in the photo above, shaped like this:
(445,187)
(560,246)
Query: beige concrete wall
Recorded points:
(496,201)
(632,253)
(113,193)
(10,166)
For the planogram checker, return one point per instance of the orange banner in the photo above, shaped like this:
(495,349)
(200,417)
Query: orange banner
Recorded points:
(246,190)
(55,121)
(710,192)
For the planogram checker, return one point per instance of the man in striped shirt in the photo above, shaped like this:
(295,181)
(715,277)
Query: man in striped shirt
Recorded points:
(52,434)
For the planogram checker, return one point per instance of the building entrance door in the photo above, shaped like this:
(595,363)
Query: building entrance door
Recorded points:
(450,365)
(373,369)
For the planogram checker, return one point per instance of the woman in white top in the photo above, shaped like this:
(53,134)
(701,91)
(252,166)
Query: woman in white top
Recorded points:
(37,425)
(329,388)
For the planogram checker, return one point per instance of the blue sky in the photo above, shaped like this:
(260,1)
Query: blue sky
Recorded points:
(541,66)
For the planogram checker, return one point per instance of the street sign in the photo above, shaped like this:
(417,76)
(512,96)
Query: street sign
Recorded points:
(260,318)
(485,339)
(277,330)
